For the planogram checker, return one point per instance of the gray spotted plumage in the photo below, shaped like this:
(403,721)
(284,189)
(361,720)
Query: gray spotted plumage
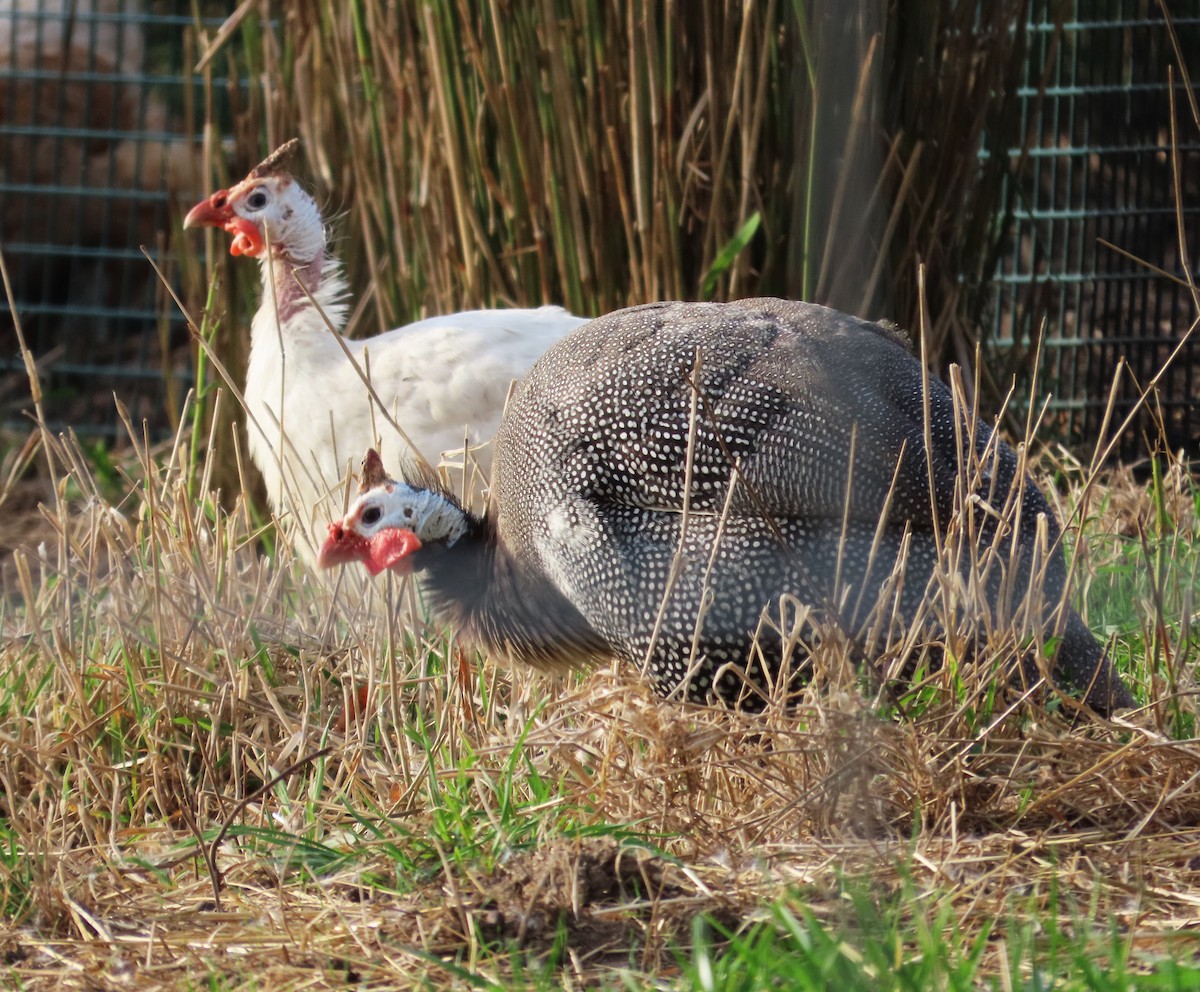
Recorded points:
(823,415)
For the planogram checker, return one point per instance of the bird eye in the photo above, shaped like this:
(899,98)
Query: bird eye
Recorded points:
(371,515)
(256,200)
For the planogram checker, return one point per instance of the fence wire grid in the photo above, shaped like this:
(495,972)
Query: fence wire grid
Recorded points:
(1100,187)
(95,152)
(97,149)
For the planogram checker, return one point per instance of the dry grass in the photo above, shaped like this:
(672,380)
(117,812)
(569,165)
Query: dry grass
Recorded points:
(197,794)
(184,801)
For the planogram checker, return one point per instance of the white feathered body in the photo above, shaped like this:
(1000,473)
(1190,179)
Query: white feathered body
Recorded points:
(443,380)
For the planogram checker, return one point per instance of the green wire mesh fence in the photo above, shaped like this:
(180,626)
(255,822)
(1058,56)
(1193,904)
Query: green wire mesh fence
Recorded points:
(1096,249)
(99,113)
(94,140)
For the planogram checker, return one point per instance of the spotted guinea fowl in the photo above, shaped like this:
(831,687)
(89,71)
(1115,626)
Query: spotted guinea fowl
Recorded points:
(599,541)
(442,380)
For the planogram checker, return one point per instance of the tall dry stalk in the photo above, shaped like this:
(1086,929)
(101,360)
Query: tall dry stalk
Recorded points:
(478,153)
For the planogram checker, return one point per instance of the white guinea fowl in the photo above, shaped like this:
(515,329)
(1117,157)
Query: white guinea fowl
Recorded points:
(443,380)
(635,512)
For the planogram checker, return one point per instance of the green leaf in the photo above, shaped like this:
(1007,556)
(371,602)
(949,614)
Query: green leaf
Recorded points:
(726,256)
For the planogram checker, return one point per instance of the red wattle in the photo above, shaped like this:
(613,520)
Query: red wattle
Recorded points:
(246,237)
(390,549)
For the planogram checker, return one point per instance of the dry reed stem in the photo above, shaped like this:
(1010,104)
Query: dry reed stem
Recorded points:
(482,157)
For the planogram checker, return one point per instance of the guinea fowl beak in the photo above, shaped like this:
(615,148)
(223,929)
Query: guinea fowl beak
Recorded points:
(216,211)
(341,547)
(212,211)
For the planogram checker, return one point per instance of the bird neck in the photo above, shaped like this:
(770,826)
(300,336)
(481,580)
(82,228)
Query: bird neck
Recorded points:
(506,606)
(456,576)
(290,286)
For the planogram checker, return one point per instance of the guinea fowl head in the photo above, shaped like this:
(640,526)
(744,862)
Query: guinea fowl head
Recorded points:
(268,208)
(391,522)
